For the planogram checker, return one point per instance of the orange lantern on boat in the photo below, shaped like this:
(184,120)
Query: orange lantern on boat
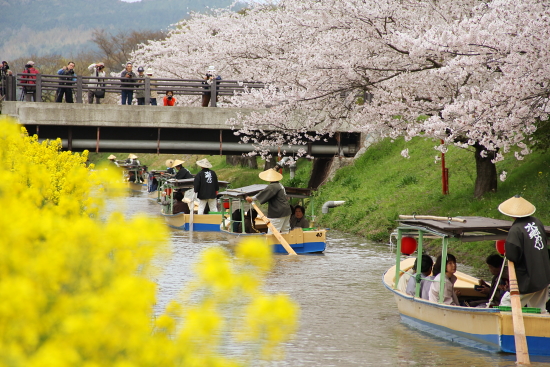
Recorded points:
(499,244)
(408,245)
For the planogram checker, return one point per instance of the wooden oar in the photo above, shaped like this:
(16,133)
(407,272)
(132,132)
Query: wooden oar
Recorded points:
(274,230)
(522,353)
(191,213)
(431,217)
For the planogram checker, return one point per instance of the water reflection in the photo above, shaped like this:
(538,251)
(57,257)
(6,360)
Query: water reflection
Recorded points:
(347,316)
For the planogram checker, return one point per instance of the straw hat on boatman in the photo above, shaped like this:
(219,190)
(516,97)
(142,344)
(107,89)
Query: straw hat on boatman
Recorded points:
(112,158)
(279,210)
(206,187)
(526,246)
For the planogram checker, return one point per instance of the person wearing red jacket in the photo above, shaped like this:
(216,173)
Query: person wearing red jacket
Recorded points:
(169,99)
(30,80)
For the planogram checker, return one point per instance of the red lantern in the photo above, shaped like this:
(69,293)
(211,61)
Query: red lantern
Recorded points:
(500,246)
(226,204)
(408,245)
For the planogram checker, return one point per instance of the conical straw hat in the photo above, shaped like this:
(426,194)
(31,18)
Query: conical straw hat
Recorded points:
(169,163)
(517,207)
(177,162)
(204,163)
(132,156)
(270,175)
(111,157)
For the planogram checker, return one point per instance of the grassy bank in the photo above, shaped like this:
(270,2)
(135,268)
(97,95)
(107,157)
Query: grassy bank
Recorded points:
(382,184)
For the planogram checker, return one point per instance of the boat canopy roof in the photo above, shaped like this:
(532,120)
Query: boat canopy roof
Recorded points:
(473,229)
(251,190)
(188,183)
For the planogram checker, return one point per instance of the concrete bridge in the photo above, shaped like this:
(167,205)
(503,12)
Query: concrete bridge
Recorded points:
(153,129)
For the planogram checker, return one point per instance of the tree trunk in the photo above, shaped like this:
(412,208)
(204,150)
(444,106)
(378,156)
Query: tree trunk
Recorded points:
(272,162)
(486,171)
(243,161)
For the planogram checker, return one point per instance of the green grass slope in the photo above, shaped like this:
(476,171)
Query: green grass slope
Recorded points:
(382,184)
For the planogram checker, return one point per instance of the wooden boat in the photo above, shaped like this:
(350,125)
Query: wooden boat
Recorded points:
(201,222)
(488,329)
(302,240)
(138,182)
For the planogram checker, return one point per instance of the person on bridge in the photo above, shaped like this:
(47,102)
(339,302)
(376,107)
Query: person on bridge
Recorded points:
(183,173)
(140,91)
(169,99)
(154,93)
(67,90)
(206,187)
(526,246)
(279,210)
(30,81)
(97,70)
(209,78)
(128,77)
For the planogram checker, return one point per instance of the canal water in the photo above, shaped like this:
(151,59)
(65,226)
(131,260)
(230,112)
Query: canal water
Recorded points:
(347,317)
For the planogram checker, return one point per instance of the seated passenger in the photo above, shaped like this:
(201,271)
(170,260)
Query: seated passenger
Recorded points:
(297,218)
(425,277)
(180,206)
(495,263)
(249,219)
(450,296)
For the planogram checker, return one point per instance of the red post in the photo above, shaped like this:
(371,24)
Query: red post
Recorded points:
(444,174)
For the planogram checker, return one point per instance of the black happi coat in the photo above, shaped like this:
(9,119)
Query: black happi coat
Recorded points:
(526,247)
(206,184)
(183,173)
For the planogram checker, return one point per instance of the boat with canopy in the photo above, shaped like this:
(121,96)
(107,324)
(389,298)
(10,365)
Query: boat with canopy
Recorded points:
(301,240)
(489,329)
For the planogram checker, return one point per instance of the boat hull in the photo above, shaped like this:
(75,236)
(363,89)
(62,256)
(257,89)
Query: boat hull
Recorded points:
(302,242)
(132,186)
(481,328)
(201,222)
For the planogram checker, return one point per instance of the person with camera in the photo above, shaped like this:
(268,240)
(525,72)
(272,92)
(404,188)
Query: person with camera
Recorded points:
(65,89)
(97,70)
(30,81)
(140,91)
(209,78)
(128,77)
(169,99)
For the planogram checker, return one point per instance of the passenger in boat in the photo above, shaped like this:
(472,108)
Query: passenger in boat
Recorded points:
(132,177)
(206,187)
(297,220)
(279,210)
(183,173)
(495,263)
(425,277)
(526,246)
(180,206)
(450,296)
(249,219)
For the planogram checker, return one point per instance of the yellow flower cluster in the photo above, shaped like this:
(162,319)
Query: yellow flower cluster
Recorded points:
(76,288)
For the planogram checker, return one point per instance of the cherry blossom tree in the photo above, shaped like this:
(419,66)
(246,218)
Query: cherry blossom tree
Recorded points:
(475,74)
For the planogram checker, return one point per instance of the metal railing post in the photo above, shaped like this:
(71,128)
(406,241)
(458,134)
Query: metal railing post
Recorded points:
(214,93)
(147,90)
(78,89)
(38,88)
(11,88)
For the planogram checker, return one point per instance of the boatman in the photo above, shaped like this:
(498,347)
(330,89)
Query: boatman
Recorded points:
(112,158)
(183,173)
(206,187)
(527,248)
(279,210)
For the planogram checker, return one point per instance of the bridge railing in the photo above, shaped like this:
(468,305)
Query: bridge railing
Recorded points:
(81,85)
